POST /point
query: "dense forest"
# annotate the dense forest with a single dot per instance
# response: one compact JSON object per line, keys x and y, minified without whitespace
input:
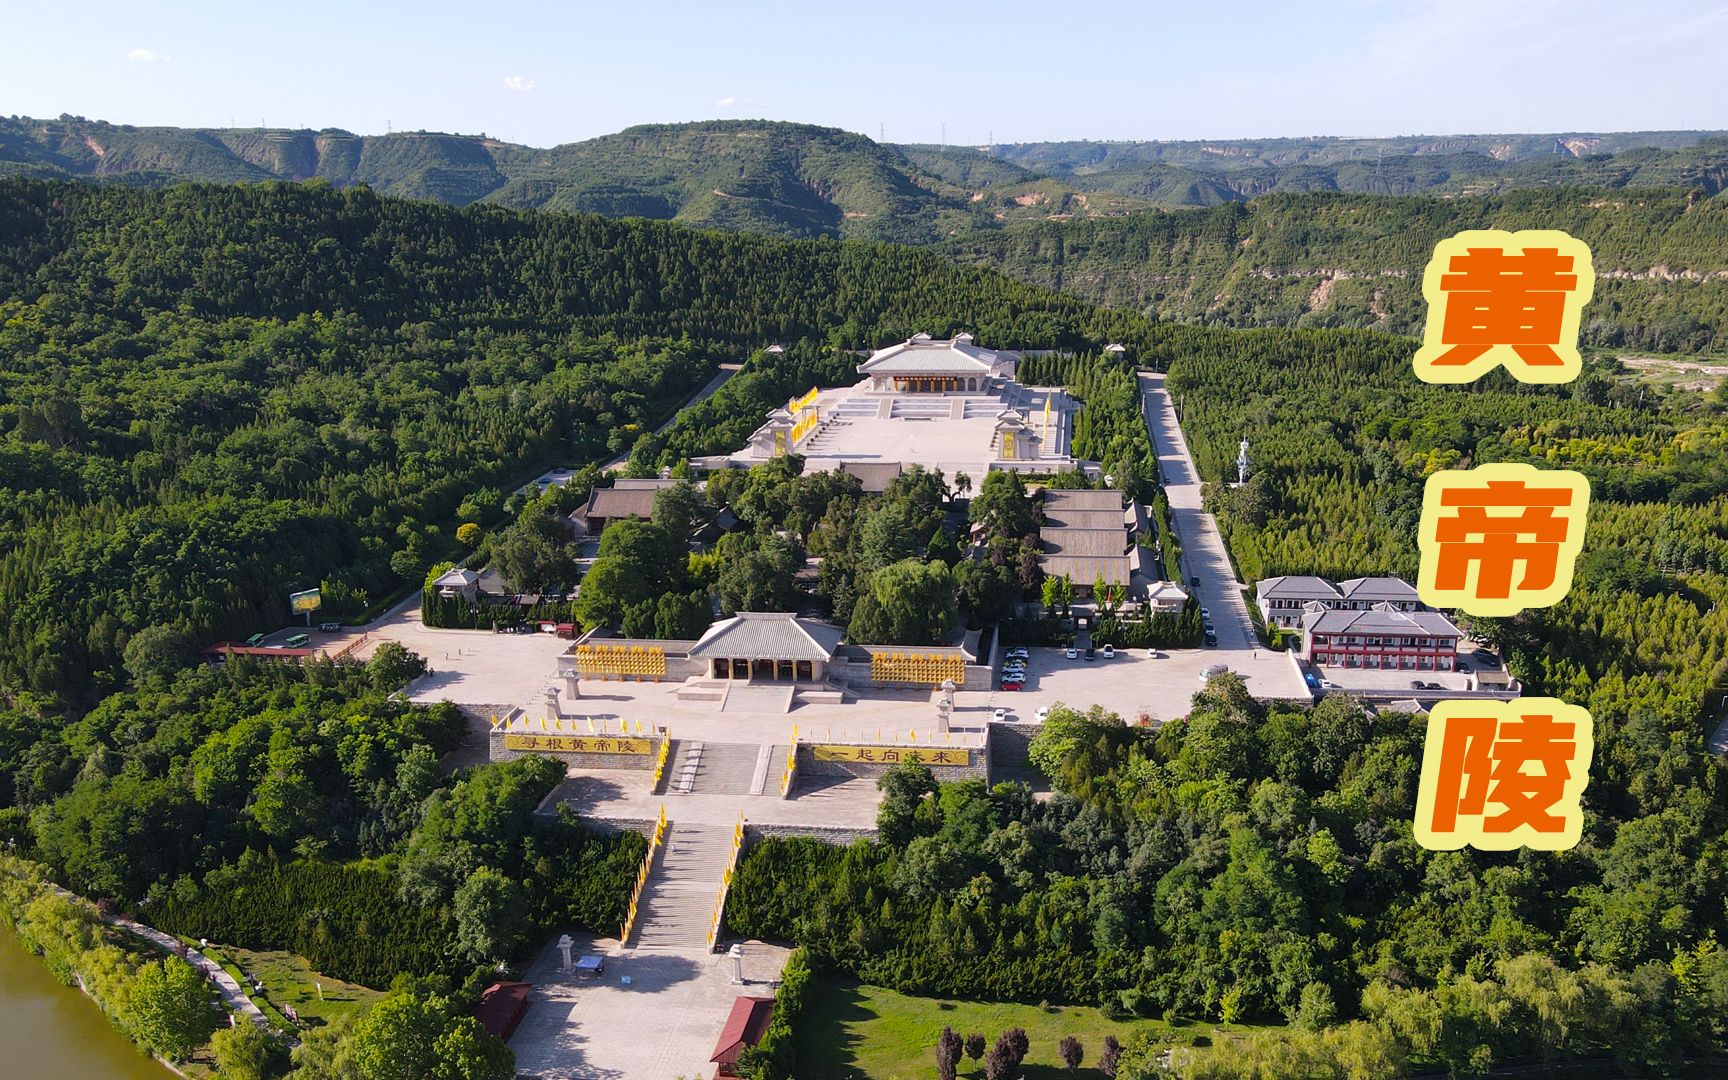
{"x":211,"y":395}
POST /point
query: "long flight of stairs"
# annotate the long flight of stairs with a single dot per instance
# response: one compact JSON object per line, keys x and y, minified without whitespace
{"x":678,"y":904}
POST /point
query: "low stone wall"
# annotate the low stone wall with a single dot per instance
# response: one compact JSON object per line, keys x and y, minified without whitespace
{"x":642,"y":826}
{"x":581,"y":759}
{"x":976,"y":768}
{"x":837,"y":835}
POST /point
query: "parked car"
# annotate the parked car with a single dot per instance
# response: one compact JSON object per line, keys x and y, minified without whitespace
{"x":1043,"y":712}
{"x":1072,"y":654}
{"x":1109,"y":652}
{"x":1195,"y":581}
{"x":1091,"y":654}
{"x":1205,"y":613}
{"x":999,"y":715}
{"x":1018,"y":653}
{"x":1328,"y":684}
{"x":1153,"y":654}
{"x":1012,"y":684}
{"x":1211,"y":638}
{"x":1313,"y":683}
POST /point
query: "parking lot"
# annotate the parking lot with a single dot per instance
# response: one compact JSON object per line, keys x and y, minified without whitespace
{"x":1133,"y":684}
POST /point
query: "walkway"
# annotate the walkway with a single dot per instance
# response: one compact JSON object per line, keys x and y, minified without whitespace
{"x":726,"y":372}
{"x":233,"y":997}
{"x":1269,"y":675}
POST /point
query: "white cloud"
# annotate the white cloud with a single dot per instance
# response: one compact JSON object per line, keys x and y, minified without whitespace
{"x":519,"y":84}
{"x":145,"y":56}
{"x":725,"y":101}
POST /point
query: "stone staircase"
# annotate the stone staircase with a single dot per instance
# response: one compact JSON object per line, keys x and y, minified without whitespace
{"x":723,"y":769}
{"x":914,"y":408}
{"x":678,"y":904}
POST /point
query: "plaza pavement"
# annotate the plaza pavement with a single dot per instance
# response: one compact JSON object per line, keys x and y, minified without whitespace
{"x":659,"y":1025}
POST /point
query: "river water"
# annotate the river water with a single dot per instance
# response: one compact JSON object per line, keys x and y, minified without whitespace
{"x":54,"y":1032}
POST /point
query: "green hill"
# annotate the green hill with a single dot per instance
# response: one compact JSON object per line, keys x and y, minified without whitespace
{"x":1245,"y":232}
{"x":1328,"y":259}
{"x":744,"y":176}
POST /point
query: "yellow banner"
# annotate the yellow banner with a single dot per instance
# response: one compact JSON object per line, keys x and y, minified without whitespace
{"x":579,"y":744}
{"x":922,"y":668}
{"x":893,"y":755}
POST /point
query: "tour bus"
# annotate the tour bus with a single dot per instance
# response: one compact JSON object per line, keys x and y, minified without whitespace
{"x":298,"y":641}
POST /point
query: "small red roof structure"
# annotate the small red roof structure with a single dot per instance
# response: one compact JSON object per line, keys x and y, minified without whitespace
{"x":749,"y":1019}
{"x":224,"y":649}
{"x":501,"y":1007}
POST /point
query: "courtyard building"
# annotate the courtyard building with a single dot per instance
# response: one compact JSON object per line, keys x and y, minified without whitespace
{"x":1090,"y":535}
{"x":1283,"y":601}
{"x":624,"y":499}
{"x":768,"y":647}
{"x":946,"y":404}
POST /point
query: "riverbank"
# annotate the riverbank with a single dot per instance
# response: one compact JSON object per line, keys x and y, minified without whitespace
{"x":50,"y":1031}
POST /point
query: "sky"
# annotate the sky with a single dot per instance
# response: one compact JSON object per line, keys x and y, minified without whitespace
{"x":548,"y":73}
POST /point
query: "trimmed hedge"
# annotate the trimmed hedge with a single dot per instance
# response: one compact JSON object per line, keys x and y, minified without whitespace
{"x":776,"y":1056}
{"x":348,"y":921}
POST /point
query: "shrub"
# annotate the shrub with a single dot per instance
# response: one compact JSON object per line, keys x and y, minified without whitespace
{"x":776,"y":1056}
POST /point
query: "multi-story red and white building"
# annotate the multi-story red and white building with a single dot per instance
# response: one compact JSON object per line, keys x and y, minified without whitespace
{"x":1381,"y":636}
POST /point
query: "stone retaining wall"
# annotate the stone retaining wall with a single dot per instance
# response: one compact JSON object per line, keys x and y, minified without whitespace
{"x":838,"y":835}
{"x":1009,"y":744}
{"x":582,"y":760}
{"x":978,"y":769}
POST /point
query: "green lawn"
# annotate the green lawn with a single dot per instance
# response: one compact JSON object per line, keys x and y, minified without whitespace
{"x":850,"y":1030}
{"x":290,"y":980}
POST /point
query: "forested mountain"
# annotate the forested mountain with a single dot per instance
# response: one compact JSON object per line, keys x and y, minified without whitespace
{"x":209,"y":395}
{"x":1400,"y":165}
{"x":750,"y":176}
{"x":1661,"y":258}
{"x":1260,"y":233}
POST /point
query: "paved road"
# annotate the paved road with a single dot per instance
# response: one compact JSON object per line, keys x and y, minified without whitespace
{"x":726,"y":372}
{"x":1203,"y":554}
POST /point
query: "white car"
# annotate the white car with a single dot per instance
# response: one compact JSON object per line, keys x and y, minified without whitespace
{"x":1072,"y":654}
{"x":1043,"y":711}
{"x":1108,"y":652}
{"x":1205,"y":613}
{"x":1328,"y":684}
{"x":1018,"y":653}
{"x":1000,"y":716}
{"x":1153,"y":654}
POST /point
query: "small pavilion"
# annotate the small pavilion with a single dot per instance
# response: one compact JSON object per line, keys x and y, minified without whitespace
{"x":768,"y":647}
